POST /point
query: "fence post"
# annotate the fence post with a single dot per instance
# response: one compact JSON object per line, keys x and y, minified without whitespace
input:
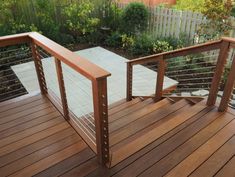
{"x":228,"y":88}
{"x":223,"y":54}
{"x":100,"y":102}
{"x":39,"y":69}
{"x":62,"y":88}
{"x":129,"y":82}
{"x":160,"y":79}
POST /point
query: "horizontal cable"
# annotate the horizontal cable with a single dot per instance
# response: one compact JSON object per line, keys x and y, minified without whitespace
{"x":210,"y":67}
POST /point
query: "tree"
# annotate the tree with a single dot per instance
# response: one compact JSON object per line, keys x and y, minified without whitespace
{"x":218,"y":23}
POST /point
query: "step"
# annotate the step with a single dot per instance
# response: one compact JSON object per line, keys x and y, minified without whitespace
{"x":138,"y":140}
{"x":129,"y":110}
{"x":142,"y":121}
{"x":125,"y":120}
{"x":122,"y":106}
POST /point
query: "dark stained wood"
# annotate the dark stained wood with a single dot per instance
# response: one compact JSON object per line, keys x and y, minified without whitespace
{"x":125,"y":105}
{"x":218,"y":73}
{"x":14,"y":39}
{"x":68,"y":164}
{"x":62,"y":88}
{"x":129,"y":82}
{"x":39,"y":69}
{"x":160,"y":79}
{"x":229,"y":86}
{"x":152,"y":133}
{"x":217,"y":160}
{"x":185,"y":148}
{"x":83,"y":170}
{"x":128,"y":110}
{"x":205,"y":151}
{"x":228,"y":169}
{"x":143,"y":121}
{"x":100,"y":104}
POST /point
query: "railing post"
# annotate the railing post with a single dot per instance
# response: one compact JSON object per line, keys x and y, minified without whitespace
{"x":223,"y":55}
{"x":129,"y":82}
{"x":228,"y":88}
{"x":39,"y":69}
{"x":62,"y":88}
{"x":160,"y":79}
{"x":100,"y":102}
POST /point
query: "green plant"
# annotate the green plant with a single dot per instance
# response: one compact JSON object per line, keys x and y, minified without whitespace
{"x":143,"y":45}
{"x":161,"y":46}
{"x":114,"y":40}
{"x":79,"y":19}
{"x":134,"y":18}
{"x":218,"y":19}
{"x":127,"y":41}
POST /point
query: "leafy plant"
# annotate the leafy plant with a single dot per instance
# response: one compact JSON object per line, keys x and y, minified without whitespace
{"x":134,"y":18}
{"x":218,"y":19}
{"x":127,"y":41}
{"x":143,"y":45}
{"x":79,"y":19}
{"x":114,"y":40}
{"x":161,"y":46}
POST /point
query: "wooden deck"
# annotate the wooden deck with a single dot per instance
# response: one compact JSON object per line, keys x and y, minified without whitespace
{"x":35,"y":140}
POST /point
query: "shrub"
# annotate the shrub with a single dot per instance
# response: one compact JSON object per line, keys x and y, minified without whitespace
{"x":143,"y":45}
{"x":127,"y":41}
{"x":114,"y":40}
{"x":134,"y":18}
{"x":79,"y":20}
{"x":161,"y":46}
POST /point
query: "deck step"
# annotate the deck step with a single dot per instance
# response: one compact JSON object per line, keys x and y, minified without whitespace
{"x":136,"y":130}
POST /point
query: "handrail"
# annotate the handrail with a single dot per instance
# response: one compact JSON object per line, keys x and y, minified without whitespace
{"x":179,"y":52}
{"x":81,"y":65}
{"x":94,"y":73}
{"x":224,"y":44}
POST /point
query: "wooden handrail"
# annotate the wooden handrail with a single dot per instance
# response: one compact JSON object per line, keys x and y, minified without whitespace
{"x":81,"y":65}
{"x":179,"y":52}
{"x":224,"y":45}
{"x":97,"y":75}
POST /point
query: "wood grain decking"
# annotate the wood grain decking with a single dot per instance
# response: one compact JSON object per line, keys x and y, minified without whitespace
{"x":35,"y":140}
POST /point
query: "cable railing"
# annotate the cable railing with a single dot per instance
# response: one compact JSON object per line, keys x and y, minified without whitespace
{"x":11,"y":86}
{"x":50,"y":61}
{"x":201,"y":70}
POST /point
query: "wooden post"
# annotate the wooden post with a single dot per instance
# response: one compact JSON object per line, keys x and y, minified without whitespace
{"x":218,"y":73}
{"x":160,"y":79}
{"x":99,"y":89}
{"x":129,"y":82}
{"x":39,"y":69}
{"x":62,"y":88}
{"x":228,"y":88}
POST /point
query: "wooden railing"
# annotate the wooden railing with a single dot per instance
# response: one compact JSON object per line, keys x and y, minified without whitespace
{"x":224,"y":45}
{"x":94,"y":73}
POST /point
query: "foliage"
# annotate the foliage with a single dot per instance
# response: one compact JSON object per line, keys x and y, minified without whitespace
{"x":109,"y":14}
{"x":146,"y":45}
{"x":193,"y":5}
{"x":114,"y":40}
{"x":79,"y":18}
{"x":46,"y":22}
{"x":134,"y":18}
{"x":177,"y":43}
{"x":218,"y":15}
{"x":161,"y":46}
{"x":127,"y":41}
{"x":143,"y":45}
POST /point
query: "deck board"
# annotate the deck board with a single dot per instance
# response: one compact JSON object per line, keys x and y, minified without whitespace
{"x":45,"y":146}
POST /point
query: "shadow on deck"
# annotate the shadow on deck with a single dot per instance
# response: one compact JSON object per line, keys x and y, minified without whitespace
{"x":35,"y":140}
